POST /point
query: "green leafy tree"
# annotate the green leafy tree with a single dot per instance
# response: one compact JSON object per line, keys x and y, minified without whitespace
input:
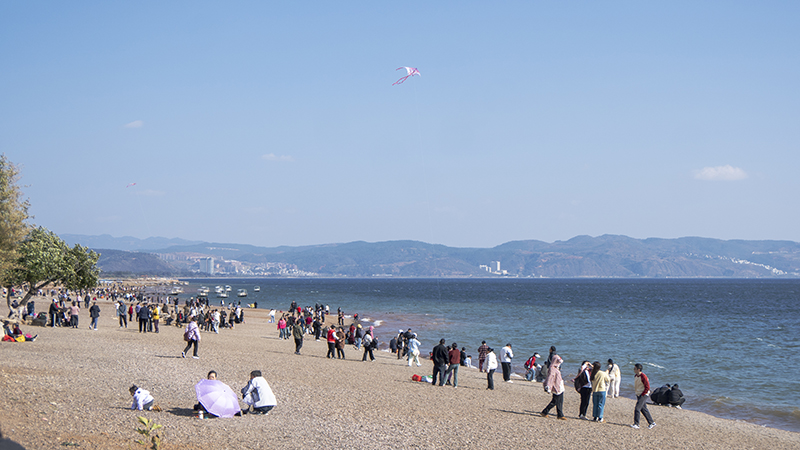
{"x":45,"y":259}
{"x":13,"y":217}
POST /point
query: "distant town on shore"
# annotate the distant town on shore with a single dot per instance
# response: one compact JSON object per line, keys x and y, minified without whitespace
{"x":607,"y":256}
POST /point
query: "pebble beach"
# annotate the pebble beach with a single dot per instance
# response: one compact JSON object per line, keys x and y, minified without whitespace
{"x":69,"y":389}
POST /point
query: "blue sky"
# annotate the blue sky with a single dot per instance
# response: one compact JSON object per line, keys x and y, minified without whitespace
{"x":276,"y":123}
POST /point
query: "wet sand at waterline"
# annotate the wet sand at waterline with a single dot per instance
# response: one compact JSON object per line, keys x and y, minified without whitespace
{"x":70,"y":387}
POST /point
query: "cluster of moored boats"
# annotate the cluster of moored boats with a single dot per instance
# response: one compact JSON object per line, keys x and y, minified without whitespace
{"x":222,"y":291}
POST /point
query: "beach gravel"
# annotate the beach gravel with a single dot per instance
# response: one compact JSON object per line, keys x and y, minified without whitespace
{"x":69,"y":389}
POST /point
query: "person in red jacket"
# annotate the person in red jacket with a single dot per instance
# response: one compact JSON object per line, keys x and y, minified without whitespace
{"x":331,"y":338}
{"x":641,"y":386}
{"x":454,"y":356}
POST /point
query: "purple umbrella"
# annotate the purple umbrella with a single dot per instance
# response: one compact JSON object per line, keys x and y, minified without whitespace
{"x":217,"y":398}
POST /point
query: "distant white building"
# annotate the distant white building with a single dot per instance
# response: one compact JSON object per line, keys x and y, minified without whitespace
{"x":207,"y":265}
{"x":495,"y":266}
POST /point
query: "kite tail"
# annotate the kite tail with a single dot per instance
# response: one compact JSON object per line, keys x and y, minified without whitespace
{"x":400,"y":81}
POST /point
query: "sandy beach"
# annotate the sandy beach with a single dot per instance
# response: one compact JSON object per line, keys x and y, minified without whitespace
{"x":70,"y":388}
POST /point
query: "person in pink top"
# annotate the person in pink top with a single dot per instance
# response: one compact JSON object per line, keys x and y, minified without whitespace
{"x":282,"y":328}
{"x":74,"y":310}
{"x":192,"y":337}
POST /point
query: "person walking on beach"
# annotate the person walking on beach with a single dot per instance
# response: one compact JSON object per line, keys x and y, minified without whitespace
{"x":454,"y":356}
{"x":94,"y":313}
{"x":123,"y":317}
{"x":297,"y":334}
{"x":369,"y":345}
{"x":482,"y":351}
{"x":600,"y":381}
{"x":583,"y":385}
{"x":554,"y":384}
{"x":192,"y":337}
{"x":413,"y":350}
{"x":505,"y":359}
{"x":641,"y":386}
{"x":439,"y":357}
{"x":491,"y":366}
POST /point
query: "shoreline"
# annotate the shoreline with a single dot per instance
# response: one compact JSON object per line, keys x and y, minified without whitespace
{"x":70,"y":386}
{"x":520,"y":359}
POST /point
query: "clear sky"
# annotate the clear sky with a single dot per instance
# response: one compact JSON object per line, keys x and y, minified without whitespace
{"x":276,"y":123}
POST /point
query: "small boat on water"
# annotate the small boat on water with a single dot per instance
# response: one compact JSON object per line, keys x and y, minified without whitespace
{"x":241,"y":293}
{"x":222,"y":294}
{"x":257,"y":289}
{"x":176,"y":290}
{"x":227,"y":288}
{"x":219,"y":289}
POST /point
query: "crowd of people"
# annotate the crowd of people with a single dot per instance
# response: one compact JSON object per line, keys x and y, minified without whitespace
{"x":593,"y":382}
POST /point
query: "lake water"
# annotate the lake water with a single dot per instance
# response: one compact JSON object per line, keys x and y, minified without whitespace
{"x":732,"y":345}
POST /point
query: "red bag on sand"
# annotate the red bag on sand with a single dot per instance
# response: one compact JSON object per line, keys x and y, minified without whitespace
{"x":7,"y":338}
{"x":416,"y":377}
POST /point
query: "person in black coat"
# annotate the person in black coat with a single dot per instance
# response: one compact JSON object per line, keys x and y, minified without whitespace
{"x":659,"y":396}
{"x":144,"y":316}
{"x":53,"y":312}
{"x":675,"y":397}
{"x":94,"y":313}
{"x":440,"y":357}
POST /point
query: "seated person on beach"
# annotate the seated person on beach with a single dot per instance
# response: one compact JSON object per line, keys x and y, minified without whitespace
{"x":212,"y":375}
{"x":659,"y":396}
{"x":258,"y":394}
{"x":142,"y":400}
{"x":18,"y":332}
{"x":675,"y":397}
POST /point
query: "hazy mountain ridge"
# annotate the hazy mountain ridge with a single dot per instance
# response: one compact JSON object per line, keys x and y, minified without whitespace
{"x":581,"y":256}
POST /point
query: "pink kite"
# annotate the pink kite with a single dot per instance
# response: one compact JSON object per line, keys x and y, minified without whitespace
{"x":132,"y":184}
{"x":411,"y":72}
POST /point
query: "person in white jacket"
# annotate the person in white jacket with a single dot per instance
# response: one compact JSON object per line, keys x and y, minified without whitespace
{"x":505,"y":359}
{"x":142,"y":400}
{"x":258,"y":394}
{"x":613,"y":373}
{"x":491,"y":366}
{"x":413,"y":350}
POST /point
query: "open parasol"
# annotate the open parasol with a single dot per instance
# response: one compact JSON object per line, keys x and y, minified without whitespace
{"x":217,"y":398}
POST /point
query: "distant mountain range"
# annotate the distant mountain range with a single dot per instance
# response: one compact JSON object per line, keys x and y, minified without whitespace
{"x":581,"y":256}
{"x":126,"y":243}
